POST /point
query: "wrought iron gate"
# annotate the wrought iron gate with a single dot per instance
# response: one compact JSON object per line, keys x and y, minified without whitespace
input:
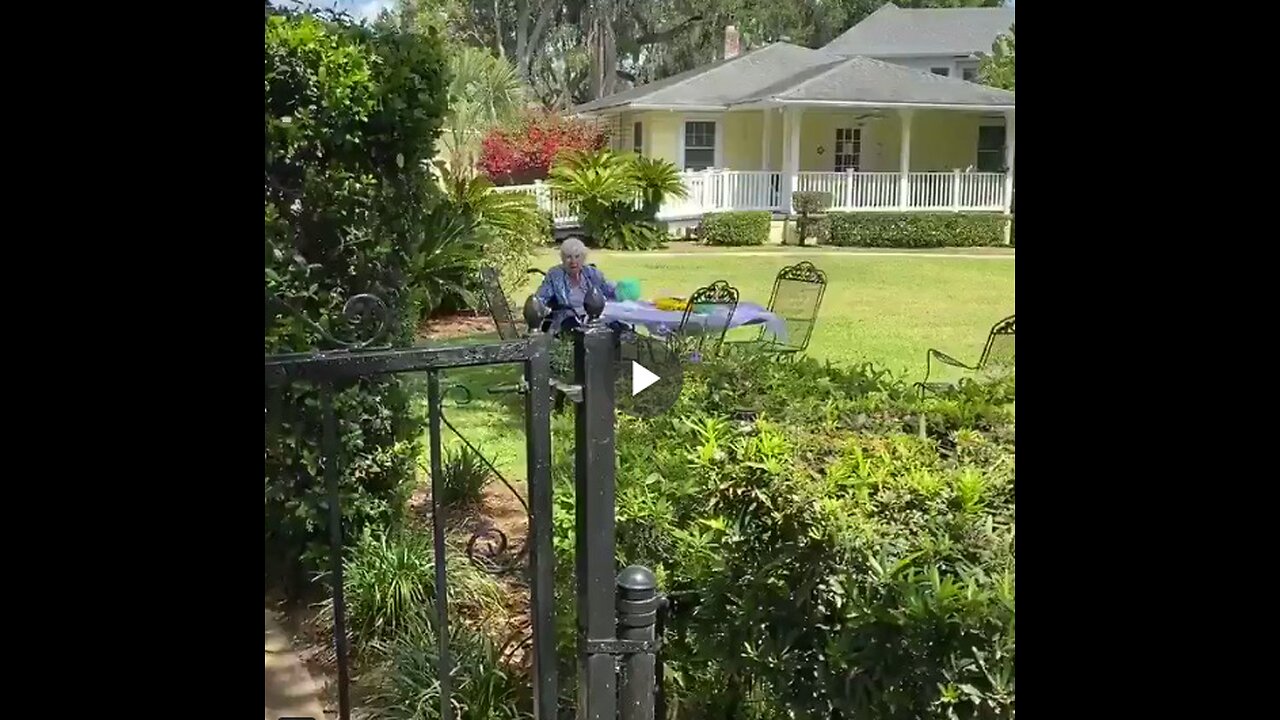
{"x":616,"y":613}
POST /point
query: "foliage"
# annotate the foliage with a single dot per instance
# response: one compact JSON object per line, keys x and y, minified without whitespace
{"x":808,"y":203}
{"x":506,"y":227}
{"x":916,"y":230}
{"x":405,"y":683}
{"x":388,"y":582}
{"x":465,"y":476}
{"x":737,"y":227}
{"x":1011,"y":243}
{"x":824,"y":561}
{"x":526,"y":151}
{"x":484,"y":93}
{"x":996,"y":69}
{"x":351,"y":115}
{"x":818,"y":228}
{"x":617,"y":196}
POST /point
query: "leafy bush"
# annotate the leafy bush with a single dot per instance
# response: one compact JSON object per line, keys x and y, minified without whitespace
{"x":808,"y":203}
{"x":405,"y":683}
{"x":465,"y":476}
{"x":916,"y":230}
{"x":526,"y":152}
{"x":389,"y":586}
{"x":351,"y":116}
{"x":818,"y":229}
{"x":737,"y":227}
{"x":606,"y":186}
{"x":506,"y":228}
{"x":823,"y":560}
{"x":1011,"y":242}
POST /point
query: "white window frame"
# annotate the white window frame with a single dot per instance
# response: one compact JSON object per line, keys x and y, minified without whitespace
{"x":715,"y":119}
{"x":946,"y":71}
{"x":966,"y":70}
{"x":855,"y":136}
{"x":977,"y":148}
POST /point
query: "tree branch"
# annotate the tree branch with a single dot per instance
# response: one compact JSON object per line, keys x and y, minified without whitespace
{"x":666,"y":35}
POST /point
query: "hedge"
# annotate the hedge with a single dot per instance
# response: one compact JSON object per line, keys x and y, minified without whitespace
{"x":740,"y":227}
{"x":819,"y":232}
{"x":916,"y":230}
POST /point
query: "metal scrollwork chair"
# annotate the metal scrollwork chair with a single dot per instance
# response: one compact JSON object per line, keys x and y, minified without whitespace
{"x":716,"y":302}
{"x":997,"y":359}
{"x":797,"y":296}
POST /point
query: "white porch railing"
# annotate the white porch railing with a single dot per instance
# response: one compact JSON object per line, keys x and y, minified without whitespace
{"x":716,"y":190}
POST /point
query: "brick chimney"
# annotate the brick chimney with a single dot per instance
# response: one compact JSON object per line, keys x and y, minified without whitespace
{"x":732,"y":42}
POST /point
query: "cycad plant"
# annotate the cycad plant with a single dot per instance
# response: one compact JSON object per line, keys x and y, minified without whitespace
{"x":618,"y":196}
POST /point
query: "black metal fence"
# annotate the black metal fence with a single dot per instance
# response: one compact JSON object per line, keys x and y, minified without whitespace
{"x":617,"y":612}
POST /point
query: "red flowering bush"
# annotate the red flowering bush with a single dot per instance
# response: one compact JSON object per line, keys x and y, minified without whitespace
{"x":526,"y":152}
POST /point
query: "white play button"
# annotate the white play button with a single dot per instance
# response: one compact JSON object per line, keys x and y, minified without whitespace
{"x":641,"y":378}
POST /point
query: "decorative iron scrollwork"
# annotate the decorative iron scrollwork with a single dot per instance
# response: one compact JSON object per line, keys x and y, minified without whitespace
{"x":1004,"y":327}
{"x":368,"y":313}
{"x":488,"y":547}
{"x":717,"y":293}
{"x":803,"y":272}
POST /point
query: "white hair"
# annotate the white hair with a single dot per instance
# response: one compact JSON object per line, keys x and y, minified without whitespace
{"x":573,"y":246}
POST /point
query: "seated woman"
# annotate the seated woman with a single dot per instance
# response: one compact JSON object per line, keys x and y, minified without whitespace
{"x":566,"y":285}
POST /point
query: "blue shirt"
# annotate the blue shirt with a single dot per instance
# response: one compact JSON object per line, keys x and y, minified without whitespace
{"x":555,"y":291}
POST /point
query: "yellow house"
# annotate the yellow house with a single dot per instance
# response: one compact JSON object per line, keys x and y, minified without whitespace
{"x":905,"y":130}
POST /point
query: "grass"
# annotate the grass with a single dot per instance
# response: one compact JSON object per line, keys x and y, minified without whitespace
{"x":889,"y":310}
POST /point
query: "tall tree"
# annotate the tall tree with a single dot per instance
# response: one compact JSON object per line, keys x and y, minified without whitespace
{"x":997,"y":68}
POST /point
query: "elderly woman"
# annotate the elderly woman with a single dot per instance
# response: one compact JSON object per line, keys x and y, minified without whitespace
{"x":566,"y":285}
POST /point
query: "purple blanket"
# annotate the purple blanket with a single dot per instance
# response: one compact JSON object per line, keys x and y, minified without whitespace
{"x":663,"y":322}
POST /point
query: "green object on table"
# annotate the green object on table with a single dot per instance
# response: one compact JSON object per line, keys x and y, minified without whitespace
{"x":628,"y":289}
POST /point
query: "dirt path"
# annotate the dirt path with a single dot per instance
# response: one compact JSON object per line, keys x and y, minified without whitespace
{"x":291,"y":691}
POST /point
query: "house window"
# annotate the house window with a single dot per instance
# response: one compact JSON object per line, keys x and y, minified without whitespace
{"x":940,"y":71}
{"x":969,"y":74}
{"x":699,"y":145}
{"x":637,"y":139}
{"x":991,"y":148}
{"x":848,"y":149}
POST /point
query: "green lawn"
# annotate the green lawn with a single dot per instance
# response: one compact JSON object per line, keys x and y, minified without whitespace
{"x":889,"y":310}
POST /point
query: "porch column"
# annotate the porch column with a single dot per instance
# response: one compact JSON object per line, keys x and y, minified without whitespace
{"x":765,"y":138}
{"x":904,"y":161}
{"x":791,"y":155}
{"x":1008,"y":174}
{"x":1008,"y":162}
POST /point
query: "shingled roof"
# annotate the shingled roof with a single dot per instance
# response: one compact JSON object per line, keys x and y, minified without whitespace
{"x":720,"y":83}
{"x":865,"y":80}
{"x":892,"y":31}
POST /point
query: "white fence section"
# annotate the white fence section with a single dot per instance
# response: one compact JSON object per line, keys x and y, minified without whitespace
{"x":714,"y":190}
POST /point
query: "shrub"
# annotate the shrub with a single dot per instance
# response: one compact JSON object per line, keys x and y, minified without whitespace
{"x":738,"y":227}
{"x":807,"y":202}
{"x":605,"y":187}
{"x":465,"y":476}
{"x":405,"y":683}
{"x":389,"y":587}
{"x":916,"y":230}
{"x":1011,"y":242}
{"x":819,"y":229}
{"x":527,"y":151}
{"x":351,"y":117}
{"x":824,"y":561}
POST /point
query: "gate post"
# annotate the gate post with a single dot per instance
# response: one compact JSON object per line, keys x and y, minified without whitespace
{"x":594,"y":474}
{"x":637,"y":619}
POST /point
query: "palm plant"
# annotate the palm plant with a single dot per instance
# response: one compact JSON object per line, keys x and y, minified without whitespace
{"x":485,"y":92}
{"x":618,"y":196}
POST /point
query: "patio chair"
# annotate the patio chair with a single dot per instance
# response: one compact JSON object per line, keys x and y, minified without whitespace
{"x":797,"y":295}
{"x":997,"y":358}
{"x":720,"y":294}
